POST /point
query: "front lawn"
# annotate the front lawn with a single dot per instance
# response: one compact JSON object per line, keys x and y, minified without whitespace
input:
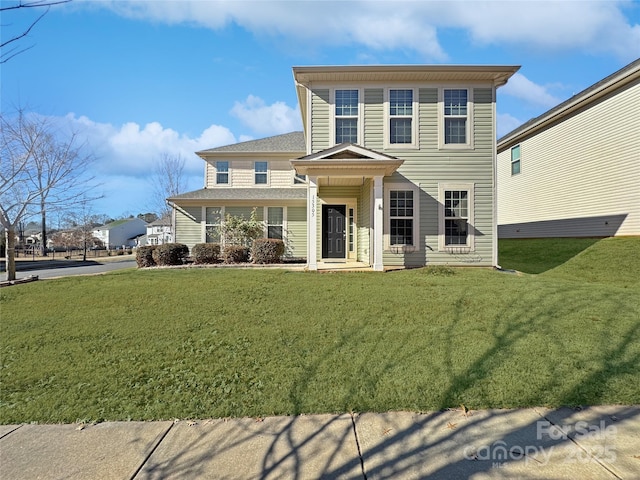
{"x":201,"y":343}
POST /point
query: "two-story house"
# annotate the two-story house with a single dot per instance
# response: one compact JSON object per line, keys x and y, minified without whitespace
{"x":395,"y":167}
{"x":159,"y":231}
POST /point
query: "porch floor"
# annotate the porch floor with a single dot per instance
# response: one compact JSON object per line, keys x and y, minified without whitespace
{"x":342,"y":266}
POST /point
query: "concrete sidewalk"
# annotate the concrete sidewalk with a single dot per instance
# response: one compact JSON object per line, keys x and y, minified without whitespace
{"x":535,"y":443}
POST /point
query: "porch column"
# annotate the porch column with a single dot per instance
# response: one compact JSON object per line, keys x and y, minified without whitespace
{"x":312,"y":224}
{"x":378,"y":221}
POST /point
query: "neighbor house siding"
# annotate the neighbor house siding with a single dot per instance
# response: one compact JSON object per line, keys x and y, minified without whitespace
{"x":189,"y":225}
{"x":579,"y":177}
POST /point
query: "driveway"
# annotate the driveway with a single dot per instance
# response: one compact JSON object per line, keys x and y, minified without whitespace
{"x":65,"y":268}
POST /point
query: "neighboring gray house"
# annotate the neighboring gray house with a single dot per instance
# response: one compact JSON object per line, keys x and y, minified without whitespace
{"x":121,"y":233}
{"x":574,"y":171}
{"x":159,"y":231}
{"x":395,"y":167}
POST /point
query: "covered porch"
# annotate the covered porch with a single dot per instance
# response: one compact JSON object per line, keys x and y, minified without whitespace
{"x":345,"y":220}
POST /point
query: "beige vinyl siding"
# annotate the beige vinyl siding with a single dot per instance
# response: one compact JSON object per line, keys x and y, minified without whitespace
{"x":374,"y":118}
{"x":320,"y":120}
{"x":579,"y":177}
{"x":189,"y":226}
{"x":429,"y":167}
{"x":296,"y":232}
{"x":364,"y":222}
{"x":209,"y":174}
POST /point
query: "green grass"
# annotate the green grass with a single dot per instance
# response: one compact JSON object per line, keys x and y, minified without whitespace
{"x":541,"y":254}
{"x":203,"y":343}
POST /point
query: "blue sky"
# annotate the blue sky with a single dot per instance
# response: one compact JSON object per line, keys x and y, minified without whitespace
{"x":141,"y":79}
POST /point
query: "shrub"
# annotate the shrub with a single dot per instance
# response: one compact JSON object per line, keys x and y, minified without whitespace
{"x":204,"y":253}
{"x":170,"y":254}
{"x":235,"y":254}
{"x":144,"y":256}
{"x":267,"y":250}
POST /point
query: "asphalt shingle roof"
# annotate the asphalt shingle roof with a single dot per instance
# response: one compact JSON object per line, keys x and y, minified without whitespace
{"x":288,"y":142}
{"x":243,"y":194}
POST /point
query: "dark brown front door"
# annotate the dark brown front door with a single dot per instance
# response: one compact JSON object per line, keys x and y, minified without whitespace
{"x":334,"y":231}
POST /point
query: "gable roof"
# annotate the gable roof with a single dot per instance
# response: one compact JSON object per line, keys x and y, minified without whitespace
{"x":288,"y":142}
{"x":585,"y":98}
{"x":117,"y":223}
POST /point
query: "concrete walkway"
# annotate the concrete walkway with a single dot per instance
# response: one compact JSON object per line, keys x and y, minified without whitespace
{"x":535,"y":443}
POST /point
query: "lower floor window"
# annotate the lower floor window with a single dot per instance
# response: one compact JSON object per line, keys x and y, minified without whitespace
{"x":275,"y":220}
{"x":401,"y":217}
{"x":213,"y":220}
{"x":456,"y":215}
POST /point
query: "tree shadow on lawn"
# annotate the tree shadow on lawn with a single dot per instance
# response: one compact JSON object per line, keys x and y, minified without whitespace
{"x":536,"y":442}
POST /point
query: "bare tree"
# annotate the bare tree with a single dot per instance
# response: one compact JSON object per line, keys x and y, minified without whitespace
{"x":167,"y":181}
{"x":38,"y":171}
{"x":13,"y":42}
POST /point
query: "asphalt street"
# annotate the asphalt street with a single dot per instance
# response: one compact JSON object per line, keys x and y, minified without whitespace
{"x":65,"y":269}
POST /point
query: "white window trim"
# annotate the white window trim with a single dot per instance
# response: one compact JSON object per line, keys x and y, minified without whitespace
{"x":470,"y":187}
{"x":265,"y":216}
{"x":415,"y":144}
{"x":416,"y":213}
{"x":215,"y":173}
{"x":360,"y":116}
{"x":519,"y":159}
{"x":469,"y":130}
{"x":203,"y":232}
{"x":268,"y":173}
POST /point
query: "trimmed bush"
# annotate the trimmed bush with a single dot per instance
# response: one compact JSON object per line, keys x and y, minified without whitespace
{"x":235,"y":254}
{"x":205,"y":253}
{"x":144,"y":256}
{"x":170,"y":254}
{"x":267,"y":250}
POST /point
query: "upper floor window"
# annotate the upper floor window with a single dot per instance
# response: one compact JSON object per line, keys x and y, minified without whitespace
{"x":261,"y":172}
{"x":299,"y":179}
{"x":401,"y":117}
{"x":346,"y":116}
{"x":222,"y":172}
{"x":515,"y":160}
{"x":456,"y":119}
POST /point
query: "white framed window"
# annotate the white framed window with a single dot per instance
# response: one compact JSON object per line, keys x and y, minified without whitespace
{"x":275,"y":222}
{"x":212,"y":222}
{"x":402,"y":215}
{"x":222,"y":173}
{"x":456,"y":217}
{"x":261,"y":173}
{"x":515,"y":160}
{"x":346,"y":115}
{"x":401,"y":117}
{"x":456,"y":118}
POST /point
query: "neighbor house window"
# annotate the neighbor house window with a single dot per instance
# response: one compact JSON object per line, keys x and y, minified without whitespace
{"x":456,"y":216}
{"x":222,"y":172}
{"x":515,"y":160}
{"x":346,"y":116}
{"x":456,"y":117}
{"x":275,"y":222}
{"x":260,"y":173}
{"x":213,"y":222}
{"x":401,"y":217}
{"x":400,"y":117}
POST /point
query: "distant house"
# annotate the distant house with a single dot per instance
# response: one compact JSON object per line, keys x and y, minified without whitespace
{"x":159,"y":231}
{"x":121,"y":233}
{"x":574,"y":171}
{"x":395,"y":168}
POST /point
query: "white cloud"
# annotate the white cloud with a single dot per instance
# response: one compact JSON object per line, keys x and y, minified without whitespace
{"x":521,"y":87}
{"x":590,"y":27}
{"x":505,"y":123}
{"x":267,"y":119}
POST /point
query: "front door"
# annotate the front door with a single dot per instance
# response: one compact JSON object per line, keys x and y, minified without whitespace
{"x":334,"y":228}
